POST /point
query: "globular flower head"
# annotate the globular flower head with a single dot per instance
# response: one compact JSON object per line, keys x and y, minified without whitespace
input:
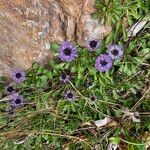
{"x":103,"y":63}
{"x":64,"y":78}
{"x":18,"y":75}
{"x":67,"y":51}
{"x":93,"y":44}
{"x":9,"y":89}
{"x":70,"y":95}
{"x":16,"y":100}
{"x":92,"y":99}
{"x":89,"y":83}
{"x":115,"y":51}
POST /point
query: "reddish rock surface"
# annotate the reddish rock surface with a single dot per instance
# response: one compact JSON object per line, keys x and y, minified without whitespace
{"x":27,"y":27}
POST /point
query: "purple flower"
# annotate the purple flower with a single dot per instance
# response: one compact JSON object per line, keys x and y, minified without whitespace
{"x":9,"y":89}
{"x":89,"y":83}
{"x":103,"y":63}
{"x":115,"y":51}
{"x":70,"y":95}
{"x":64,"y":77}
{"x":92,"y":99}
{"x":93,"y":44}
{"x":16,"y":100}
{"x":67,"y":51}
{"x":18,"y":75}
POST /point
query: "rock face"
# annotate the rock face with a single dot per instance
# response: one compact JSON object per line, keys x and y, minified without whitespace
{"x":27,"y":27}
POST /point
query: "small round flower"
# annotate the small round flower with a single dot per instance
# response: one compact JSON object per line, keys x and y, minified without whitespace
{"x":9,"y":89}
{"x":93,"y":44}
{"x":92,"y":99}
{"x":16,"y":100}
{"x":89,"y":83}
{"x":115,"y":51}
{"x":103,"y":63}
{"x":64,"y":78}
{"x":70,"y":95}
{"x":18,"y":75}
{"x":67,"y":51}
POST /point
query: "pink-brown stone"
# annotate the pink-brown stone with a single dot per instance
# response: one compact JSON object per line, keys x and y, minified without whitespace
{"x":27,"y":27}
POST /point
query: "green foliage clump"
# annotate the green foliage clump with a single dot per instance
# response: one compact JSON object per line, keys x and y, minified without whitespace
{"x":49,"y":121}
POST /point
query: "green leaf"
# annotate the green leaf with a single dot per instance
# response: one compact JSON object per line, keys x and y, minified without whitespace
{"x":95,"y":15}
{"x":138,"y":59}
{"x":115,"y":95}
{"x":53,"y":64}
{"x":80,"y":73}
{"x":44,"y":78}
{"x":41,"y":82}
{"x":49,"y":74}
{"x":109,"y":39}
{"x":101,"y":82}
{"x":35,"y":66}
{"x":115,"y":140}
{"x":92,"y":71}
{"x":38,"y":83}
{"x":60,"y":66}
{"x":54,"y":47}
{"x":130,"y":147}
{"x":73,"y":69}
